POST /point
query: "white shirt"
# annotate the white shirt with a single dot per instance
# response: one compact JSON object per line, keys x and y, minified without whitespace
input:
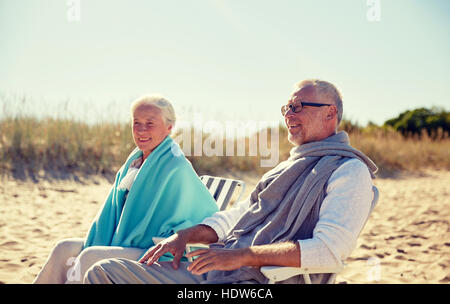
{"x":342,"y":215}
{"x":131,"y":175}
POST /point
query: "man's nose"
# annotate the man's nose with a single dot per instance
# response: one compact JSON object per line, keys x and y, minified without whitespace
{"x":289,"y":112}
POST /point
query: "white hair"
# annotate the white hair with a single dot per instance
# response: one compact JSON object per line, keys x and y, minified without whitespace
{"x":325,"y":88}
{"x":158,"y":101}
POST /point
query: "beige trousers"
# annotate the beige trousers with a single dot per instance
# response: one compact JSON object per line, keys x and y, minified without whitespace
{"x":68,"y":262}
{"x":124,"y":271}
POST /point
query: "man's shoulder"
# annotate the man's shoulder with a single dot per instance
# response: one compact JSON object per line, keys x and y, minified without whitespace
{"x":353,"y":164}
{"x":352,"y":169}
{"x":353,"y":175}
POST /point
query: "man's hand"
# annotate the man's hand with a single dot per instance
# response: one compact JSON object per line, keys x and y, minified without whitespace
{"x":218,"y":259}
{"x":176,"y":244}
{"x":281,"y":254}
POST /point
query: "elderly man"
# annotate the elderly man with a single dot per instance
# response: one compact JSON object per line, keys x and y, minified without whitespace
{"x":306,"y":212}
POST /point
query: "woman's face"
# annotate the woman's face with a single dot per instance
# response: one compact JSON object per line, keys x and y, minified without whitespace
{"x":149,"y":128}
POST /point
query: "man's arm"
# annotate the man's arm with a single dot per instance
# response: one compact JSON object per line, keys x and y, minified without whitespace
{"x":282,"y":254}
{"x":223,"y":221}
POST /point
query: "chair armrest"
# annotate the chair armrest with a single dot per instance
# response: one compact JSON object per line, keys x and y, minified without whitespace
{"x":281,"y":273}
{"x":189,"y":246}
{"x":157,"y":239}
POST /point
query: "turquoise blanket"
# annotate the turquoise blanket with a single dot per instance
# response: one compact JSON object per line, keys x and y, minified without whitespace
{"x":166,"y":196}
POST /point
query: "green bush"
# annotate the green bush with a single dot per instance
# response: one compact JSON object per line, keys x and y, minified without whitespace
{"x":435,"y":122}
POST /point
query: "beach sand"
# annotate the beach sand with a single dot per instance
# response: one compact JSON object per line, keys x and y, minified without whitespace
{"x":406,"y":240}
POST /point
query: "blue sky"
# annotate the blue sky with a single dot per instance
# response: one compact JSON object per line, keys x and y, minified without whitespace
{"x":228,"y":60}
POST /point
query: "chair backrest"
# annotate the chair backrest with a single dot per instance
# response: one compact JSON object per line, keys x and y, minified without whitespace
{"x":222,"y":189}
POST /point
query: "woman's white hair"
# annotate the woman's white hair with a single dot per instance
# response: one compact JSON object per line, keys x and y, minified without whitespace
{"x":167,"y":111}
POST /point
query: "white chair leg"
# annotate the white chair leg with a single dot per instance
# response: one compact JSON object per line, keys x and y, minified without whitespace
{"x":307,"y":278}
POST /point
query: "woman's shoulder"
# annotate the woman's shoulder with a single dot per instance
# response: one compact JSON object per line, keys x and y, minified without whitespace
{"x":178,"y":163}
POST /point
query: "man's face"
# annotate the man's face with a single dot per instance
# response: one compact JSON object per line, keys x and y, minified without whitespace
{"x":310,"y":124}
{"x":149,"y":128}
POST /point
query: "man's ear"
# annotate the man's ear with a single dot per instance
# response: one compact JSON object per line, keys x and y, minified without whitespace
{"x":332,"y":112}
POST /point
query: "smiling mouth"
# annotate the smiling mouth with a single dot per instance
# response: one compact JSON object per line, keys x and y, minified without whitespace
{"x":144,"y":139}
{"x":292,"y":126}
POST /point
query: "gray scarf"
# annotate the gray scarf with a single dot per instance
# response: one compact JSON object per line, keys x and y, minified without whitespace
{"x":285,"y":203}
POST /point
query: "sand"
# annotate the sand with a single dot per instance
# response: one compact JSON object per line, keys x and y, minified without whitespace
{"x":406,"y":240}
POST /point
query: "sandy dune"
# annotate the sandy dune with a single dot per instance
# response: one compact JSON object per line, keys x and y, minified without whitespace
{"x":407,"y":239}
{"x":408,"y":233}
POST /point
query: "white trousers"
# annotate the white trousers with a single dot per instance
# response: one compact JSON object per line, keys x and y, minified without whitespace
{"x":68,"y":262}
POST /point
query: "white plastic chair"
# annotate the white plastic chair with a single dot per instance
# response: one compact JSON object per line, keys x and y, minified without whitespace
{"x":281,"y":273}
{"x":222,"y":189}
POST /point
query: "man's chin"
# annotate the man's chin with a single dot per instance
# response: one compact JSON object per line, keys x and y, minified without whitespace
{"x":294,"y":139}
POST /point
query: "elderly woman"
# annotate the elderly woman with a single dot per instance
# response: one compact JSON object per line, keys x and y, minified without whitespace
{"x":155,"y":193}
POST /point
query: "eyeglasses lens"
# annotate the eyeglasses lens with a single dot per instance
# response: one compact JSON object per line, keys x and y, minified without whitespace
{"x":294,"y":107}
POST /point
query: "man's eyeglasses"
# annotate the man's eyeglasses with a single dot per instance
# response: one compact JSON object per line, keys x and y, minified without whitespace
{"x":298,"y":106}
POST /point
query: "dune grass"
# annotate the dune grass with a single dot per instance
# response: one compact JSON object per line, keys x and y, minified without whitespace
{"x":32,"y":145}
{"x":393,"y":152}
{"x":36,"y":147}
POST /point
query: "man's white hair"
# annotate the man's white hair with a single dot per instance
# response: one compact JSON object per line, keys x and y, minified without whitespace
{"x":325,"y":88}
{"x":158,"y":101}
